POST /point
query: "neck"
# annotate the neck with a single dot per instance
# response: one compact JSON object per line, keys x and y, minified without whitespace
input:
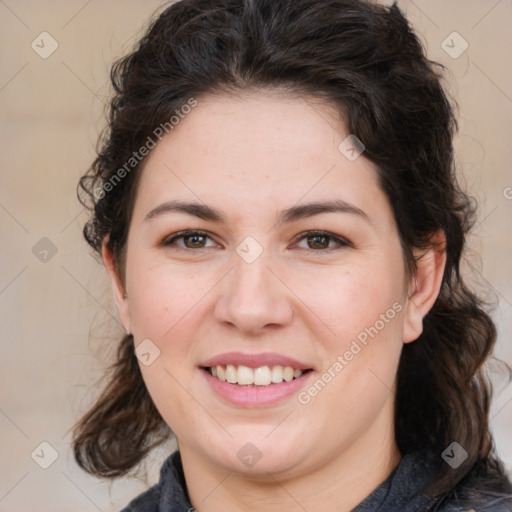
{"x":340,"y":484}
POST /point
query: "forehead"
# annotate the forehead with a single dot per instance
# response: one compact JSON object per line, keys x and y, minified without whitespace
{"x":254,"y":151}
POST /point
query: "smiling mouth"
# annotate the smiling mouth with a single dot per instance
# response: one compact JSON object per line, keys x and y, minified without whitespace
{"x":254,"y":377}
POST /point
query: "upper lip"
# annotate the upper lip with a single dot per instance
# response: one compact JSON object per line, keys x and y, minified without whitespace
{"x":255,"y":360}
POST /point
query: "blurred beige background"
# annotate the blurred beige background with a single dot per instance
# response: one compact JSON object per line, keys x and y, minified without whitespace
{"x":56,"y":309}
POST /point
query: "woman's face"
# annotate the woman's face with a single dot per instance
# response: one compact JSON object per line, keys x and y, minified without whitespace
{"x":260,"y":290}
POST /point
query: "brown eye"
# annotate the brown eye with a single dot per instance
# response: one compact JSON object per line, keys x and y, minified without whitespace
{"x":191,"y":240}
{"x":320,"y":240}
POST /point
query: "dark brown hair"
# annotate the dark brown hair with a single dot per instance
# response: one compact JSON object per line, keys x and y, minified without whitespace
{"x":365,"y":60}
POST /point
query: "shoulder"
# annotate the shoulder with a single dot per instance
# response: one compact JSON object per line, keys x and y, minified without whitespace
{"x":168,"y":494}
{"x":486,"y":488}
{"x":482,"y":504}
{"x":148,"y":501}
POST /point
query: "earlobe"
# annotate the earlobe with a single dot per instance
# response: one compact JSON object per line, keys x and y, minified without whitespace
{"x":425,"y":286}
{"x":118,"y":288}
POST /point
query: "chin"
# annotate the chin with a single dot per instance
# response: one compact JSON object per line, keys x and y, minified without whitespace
{"x":254,"y":455}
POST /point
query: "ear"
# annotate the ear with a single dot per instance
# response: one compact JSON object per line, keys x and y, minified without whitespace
{"x":118,"y":287}
{"x":425,"y":286}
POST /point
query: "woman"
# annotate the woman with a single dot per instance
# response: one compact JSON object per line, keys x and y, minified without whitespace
{"x":276,"y":205}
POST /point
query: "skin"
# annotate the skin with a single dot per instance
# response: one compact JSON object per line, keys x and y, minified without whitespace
{"x":252,"y":156}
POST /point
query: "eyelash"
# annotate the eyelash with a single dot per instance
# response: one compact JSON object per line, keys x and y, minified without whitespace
{"x":307,"y":234}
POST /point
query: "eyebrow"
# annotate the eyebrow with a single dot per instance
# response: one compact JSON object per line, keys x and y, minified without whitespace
{"x":288,"y":215}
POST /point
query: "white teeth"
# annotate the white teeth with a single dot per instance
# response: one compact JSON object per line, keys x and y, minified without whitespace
{"x":245,"y":375}
{"x":262,"y":376}
{"x":288,"y":374}
{"x":231,"y":374}
{"x":277,"y":374}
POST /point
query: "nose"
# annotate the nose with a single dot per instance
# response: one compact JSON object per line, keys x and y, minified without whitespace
{"x":253,"y":297}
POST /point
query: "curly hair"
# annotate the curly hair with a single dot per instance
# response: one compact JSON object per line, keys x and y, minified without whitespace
{"x":366,"y":61}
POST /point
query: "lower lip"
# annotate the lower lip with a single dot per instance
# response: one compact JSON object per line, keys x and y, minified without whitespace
{"x":255,"y":396}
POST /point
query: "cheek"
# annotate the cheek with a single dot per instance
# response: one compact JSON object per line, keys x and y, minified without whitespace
{"x":361,"y":347}
{"x":349,"y":301}
{"x":166,"y":309}
{"x":163,"y":300}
